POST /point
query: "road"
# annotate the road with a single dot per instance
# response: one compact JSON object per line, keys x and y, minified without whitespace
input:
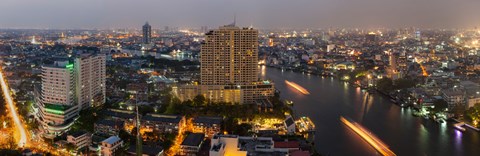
{"x":13,"y":111}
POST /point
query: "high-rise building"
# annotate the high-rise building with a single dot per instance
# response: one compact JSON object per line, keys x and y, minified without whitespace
{"x":90,"y":72}
{"x":229,"y":73}
{"x":147,"y":33}
{"x":55,"y":98}
{"x":229,"y":55}
{"x":68,"y":86}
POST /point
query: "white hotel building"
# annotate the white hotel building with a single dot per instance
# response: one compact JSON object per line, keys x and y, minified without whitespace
{"x":67,"y":87}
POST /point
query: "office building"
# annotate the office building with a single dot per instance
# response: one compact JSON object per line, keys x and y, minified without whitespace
{"x":228,"y":68}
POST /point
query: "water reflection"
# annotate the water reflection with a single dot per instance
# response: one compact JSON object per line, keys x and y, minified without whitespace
{"x":397,"y":127}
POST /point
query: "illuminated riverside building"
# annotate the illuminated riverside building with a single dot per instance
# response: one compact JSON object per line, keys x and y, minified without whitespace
{"x":229,"y":60}
{"x":68,"y":86}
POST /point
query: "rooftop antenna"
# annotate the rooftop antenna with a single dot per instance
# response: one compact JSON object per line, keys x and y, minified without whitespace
{"x":234,"y":19}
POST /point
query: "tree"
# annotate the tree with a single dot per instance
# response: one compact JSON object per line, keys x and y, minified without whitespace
{"x":124,"y":135}
{"x":458,"y":110}
{"x":385,"y":85}
{"x":199,"y":100}
{"x":70,"y":147}
{"x":473,"y":114}
{"x":439,"y":105}
{"x":242,"y":129}
{"x":404,"y":83}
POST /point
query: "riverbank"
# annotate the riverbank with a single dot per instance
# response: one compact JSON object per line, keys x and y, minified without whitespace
{"x":331,"y":98}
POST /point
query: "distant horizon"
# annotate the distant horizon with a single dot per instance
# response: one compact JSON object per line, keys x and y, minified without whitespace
{"x":161,"y":28}
{"x":263,"y":14}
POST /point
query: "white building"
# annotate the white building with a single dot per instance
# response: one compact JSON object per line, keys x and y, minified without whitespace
{"x":69,"y":85}
{"x":225,"y":145}
{"x":56,"y":108}
{"x":111,"y":145}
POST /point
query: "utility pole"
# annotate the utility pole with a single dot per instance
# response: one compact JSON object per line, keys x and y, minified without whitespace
{"x":139,"y":137}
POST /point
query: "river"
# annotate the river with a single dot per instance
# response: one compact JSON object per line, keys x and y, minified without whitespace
{"x":396,"y":126}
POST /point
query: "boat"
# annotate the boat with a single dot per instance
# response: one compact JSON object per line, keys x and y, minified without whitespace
{"x":297,"y":87}
{"x":289,"y":102}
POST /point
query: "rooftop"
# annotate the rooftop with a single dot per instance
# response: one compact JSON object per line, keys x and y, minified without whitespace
{"x":78,"y":133}
{"x":112,"y":140}
{"x":111,"y":123}
{"x":163,"y":118}
{"x":286,"y":144}
{"x":119,"y":113}
{"x":193,"y":139}
{"x":208,"y":120}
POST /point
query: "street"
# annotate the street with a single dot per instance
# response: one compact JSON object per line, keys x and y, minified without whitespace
{"x":22,"y":141}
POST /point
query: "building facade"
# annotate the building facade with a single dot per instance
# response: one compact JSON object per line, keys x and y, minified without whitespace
{"x":80,"y":139}
{"x":68,"y":86}
{"x":147,"y":33}
{"x":229,"y":73}
{"x":207,"y":125}
{"x":111,"y":145}
{"x":164,"y":123}
{"x":56,"y":108}
{"x":90,"y":79}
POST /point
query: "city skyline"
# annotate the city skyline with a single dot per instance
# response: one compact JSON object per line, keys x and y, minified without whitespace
{"x":240,"y":77}
{"x":105,"y":14}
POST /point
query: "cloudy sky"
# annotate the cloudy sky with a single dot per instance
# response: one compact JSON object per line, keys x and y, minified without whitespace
{"x":259,"y":13}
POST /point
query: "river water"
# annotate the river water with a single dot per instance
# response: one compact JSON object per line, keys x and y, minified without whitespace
{"x":396,"y":126}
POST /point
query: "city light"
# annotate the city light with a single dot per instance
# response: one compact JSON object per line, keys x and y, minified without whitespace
{"x":16,"y":119}
{"x":297,"y":87}
{"x":369,"y":137}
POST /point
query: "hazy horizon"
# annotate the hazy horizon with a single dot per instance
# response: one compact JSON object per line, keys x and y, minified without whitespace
{"x":108,"y":14}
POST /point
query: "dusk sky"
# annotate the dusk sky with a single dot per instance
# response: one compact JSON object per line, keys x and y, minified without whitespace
{"x":91,"y":14}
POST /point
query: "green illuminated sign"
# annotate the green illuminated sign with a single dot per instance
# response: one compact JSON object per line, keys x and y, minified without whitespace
{"x":53,"y":111}
{"x":69,"y":66}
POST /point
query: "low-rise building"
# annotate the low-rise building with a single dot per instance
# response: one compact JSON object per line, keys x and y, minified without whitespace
{"x":207,"y":125}
{"x":191,"y":144}
{"x":454,"y":98}
{"x":140,"y":90}
{"x":109,"y":127}
{"x":120,"y":115}
{"x":222,"y":145}
{"x":164,"y":123}
{"x":80,"y":139}
{"x":111,"y":145}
